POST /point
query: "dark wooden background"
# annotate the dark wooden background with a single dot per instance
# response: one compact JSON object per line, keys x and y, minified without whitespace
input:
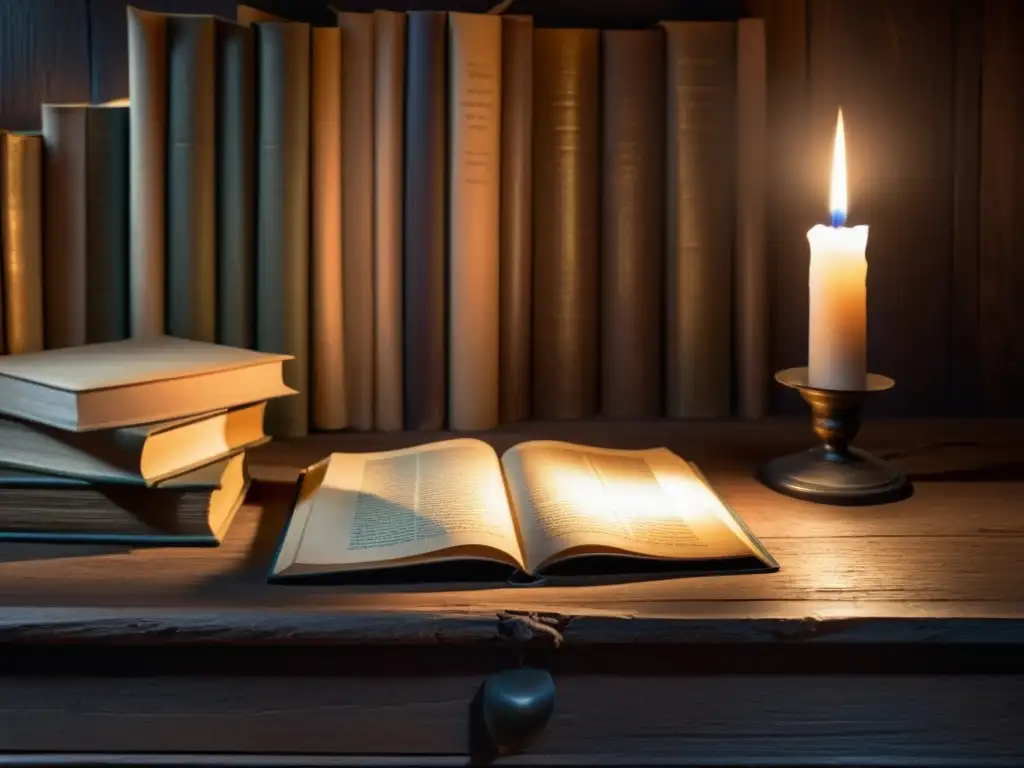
{"x":934,"y":115}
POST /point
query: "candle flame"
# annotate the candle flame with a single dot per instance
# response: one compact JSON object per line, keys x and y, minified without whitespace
{"x":837,"y":193}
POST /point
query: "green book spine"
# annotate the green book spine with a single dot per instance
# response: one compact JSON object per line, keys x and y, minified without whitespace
{"x":236,"y":200}
{"x":282,"y":244}
{"x":191,"y":178}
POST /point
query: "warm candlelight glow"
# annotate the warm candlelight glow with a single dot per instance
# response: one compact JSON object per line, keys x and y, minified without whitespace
{"x":837,"y":193}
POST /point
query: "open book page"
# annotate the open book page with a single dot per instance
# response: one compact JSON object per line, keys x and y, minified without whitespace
{"x":440,"y":501}
{"x":575,"y":500}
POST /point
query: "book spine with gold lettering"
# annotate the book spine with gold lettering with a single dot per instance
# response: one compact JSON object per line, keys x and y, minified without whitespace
{"x":566,"y":157}
{"x":21,"y":227}
{"x":474,"y":184}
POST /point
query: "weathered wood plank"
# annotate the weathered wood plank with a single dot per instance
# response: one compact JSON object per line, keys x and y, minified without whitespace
{"x":44,"y":56}
{"x":820,"y":719}
{"x":889,"y":65}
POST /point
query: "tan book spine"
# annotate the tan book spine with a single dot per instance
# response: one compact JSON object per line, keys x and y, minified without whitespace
{"x":516,"y":215}
{"x":330,"y":408}
{"x":147,"y":88}
{"x":191,"y":178}
{"x":701,"y":125}
{"x":566,"y":264}
{"x":21,"y":168}
{"x":388,"y":167}
{"x":753,"y":374}
{"x":282,"y":248}
{"x":357,"y":105}
{"x":65,"y":255}
{"x":474,"y":176}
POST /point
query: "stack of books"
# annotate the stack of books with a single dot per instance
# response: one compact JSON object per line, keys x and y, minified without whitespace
{"x":136,"y":441}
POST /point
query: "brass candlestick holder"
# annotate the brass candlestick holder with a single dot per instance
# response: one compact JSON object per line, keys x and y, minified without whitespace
{"x":835,"y":472}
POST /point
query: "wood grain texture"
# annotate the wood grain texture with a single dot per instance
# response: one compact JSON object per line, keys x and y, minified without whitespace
{"x":889,"y":65}
{"x":1001,"y":246}
{"x":44,"y":56}
{"x":939,"y":567}
{"x":930,"y":719}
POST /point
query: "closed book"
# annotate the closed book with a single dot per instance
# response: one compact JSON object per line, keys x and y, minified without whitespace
{"x":21,"y":249}
{"x":751,"y":283}
{"x":474,"y":179}
{"x":236,"y":185}
{"x":191,"y":178}
{"x":147,"y":90}
{"x":151,"y":453}
{"x":388,"y":170}
{"x":357,"y":163}
{"x":327,"y":321}
{"x":516,"y":216}
{"x":86,"y":187}
{"x":190,"y":510}
{"x":566,"y":156}
{"x":246,"y":15}
{"x":424,"y":241}
{"x":632,"y":222}
{"x":282,"y":245}
{"x":701,"y":130}
{"x":135,"y":381}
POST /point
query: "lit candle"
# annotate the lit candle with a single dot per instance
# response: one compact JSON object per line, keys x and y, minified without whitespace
{"x":837,"y":339}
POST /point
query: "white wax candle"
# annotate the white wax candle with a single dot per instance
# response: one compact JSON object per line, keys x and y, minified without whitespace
{"x":837,"y":344}
{"x":838,"y":322}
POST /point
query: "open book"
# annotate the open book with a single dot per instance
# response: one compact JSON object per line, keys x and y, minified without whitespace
{"x":544,"y":508}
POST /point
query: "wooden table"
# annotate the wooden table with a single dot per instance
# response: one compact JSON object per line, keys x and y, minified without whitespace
{"x":891,"y":635}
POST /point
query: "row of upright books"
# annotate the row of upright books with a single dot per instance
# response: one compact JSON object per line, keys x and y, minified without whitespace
{"x":446,"y":219}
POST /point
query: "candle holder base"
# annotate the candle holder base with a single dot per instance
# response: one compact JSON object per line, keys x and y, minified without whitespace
{"x":835,"y":472}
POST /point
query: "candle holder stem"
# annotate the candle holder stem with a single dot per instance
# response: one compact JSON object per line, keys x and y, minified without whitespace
{"x":835,"y":472}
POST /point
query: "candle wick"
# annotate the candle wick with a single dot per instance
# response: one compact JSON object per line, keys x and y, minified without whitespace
{"x":838,"y":218}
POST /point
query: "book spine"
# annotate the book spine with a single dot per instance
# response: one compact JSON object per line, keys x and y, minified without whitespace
{"x":107,"y":195}
{"x":474,"y":177}
{"x":753,"y":374}
{"x":246,"y":15}
{"x":389,"y":124}
{"x":282,"y":246}
{"x":425,"y":358}
{"x":357,"y":107}
{"x":21,"y":222}
{"x":235,"y":203}
{"x":516,"y":215}
{"x":565,"y":224}
{"x":330,"y":409}
{"x":701,"y":215}
{"x":191,"y":177}
{"x":65,"y":246}
{"x":632,"y":222}
{"x":147,"y":89}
